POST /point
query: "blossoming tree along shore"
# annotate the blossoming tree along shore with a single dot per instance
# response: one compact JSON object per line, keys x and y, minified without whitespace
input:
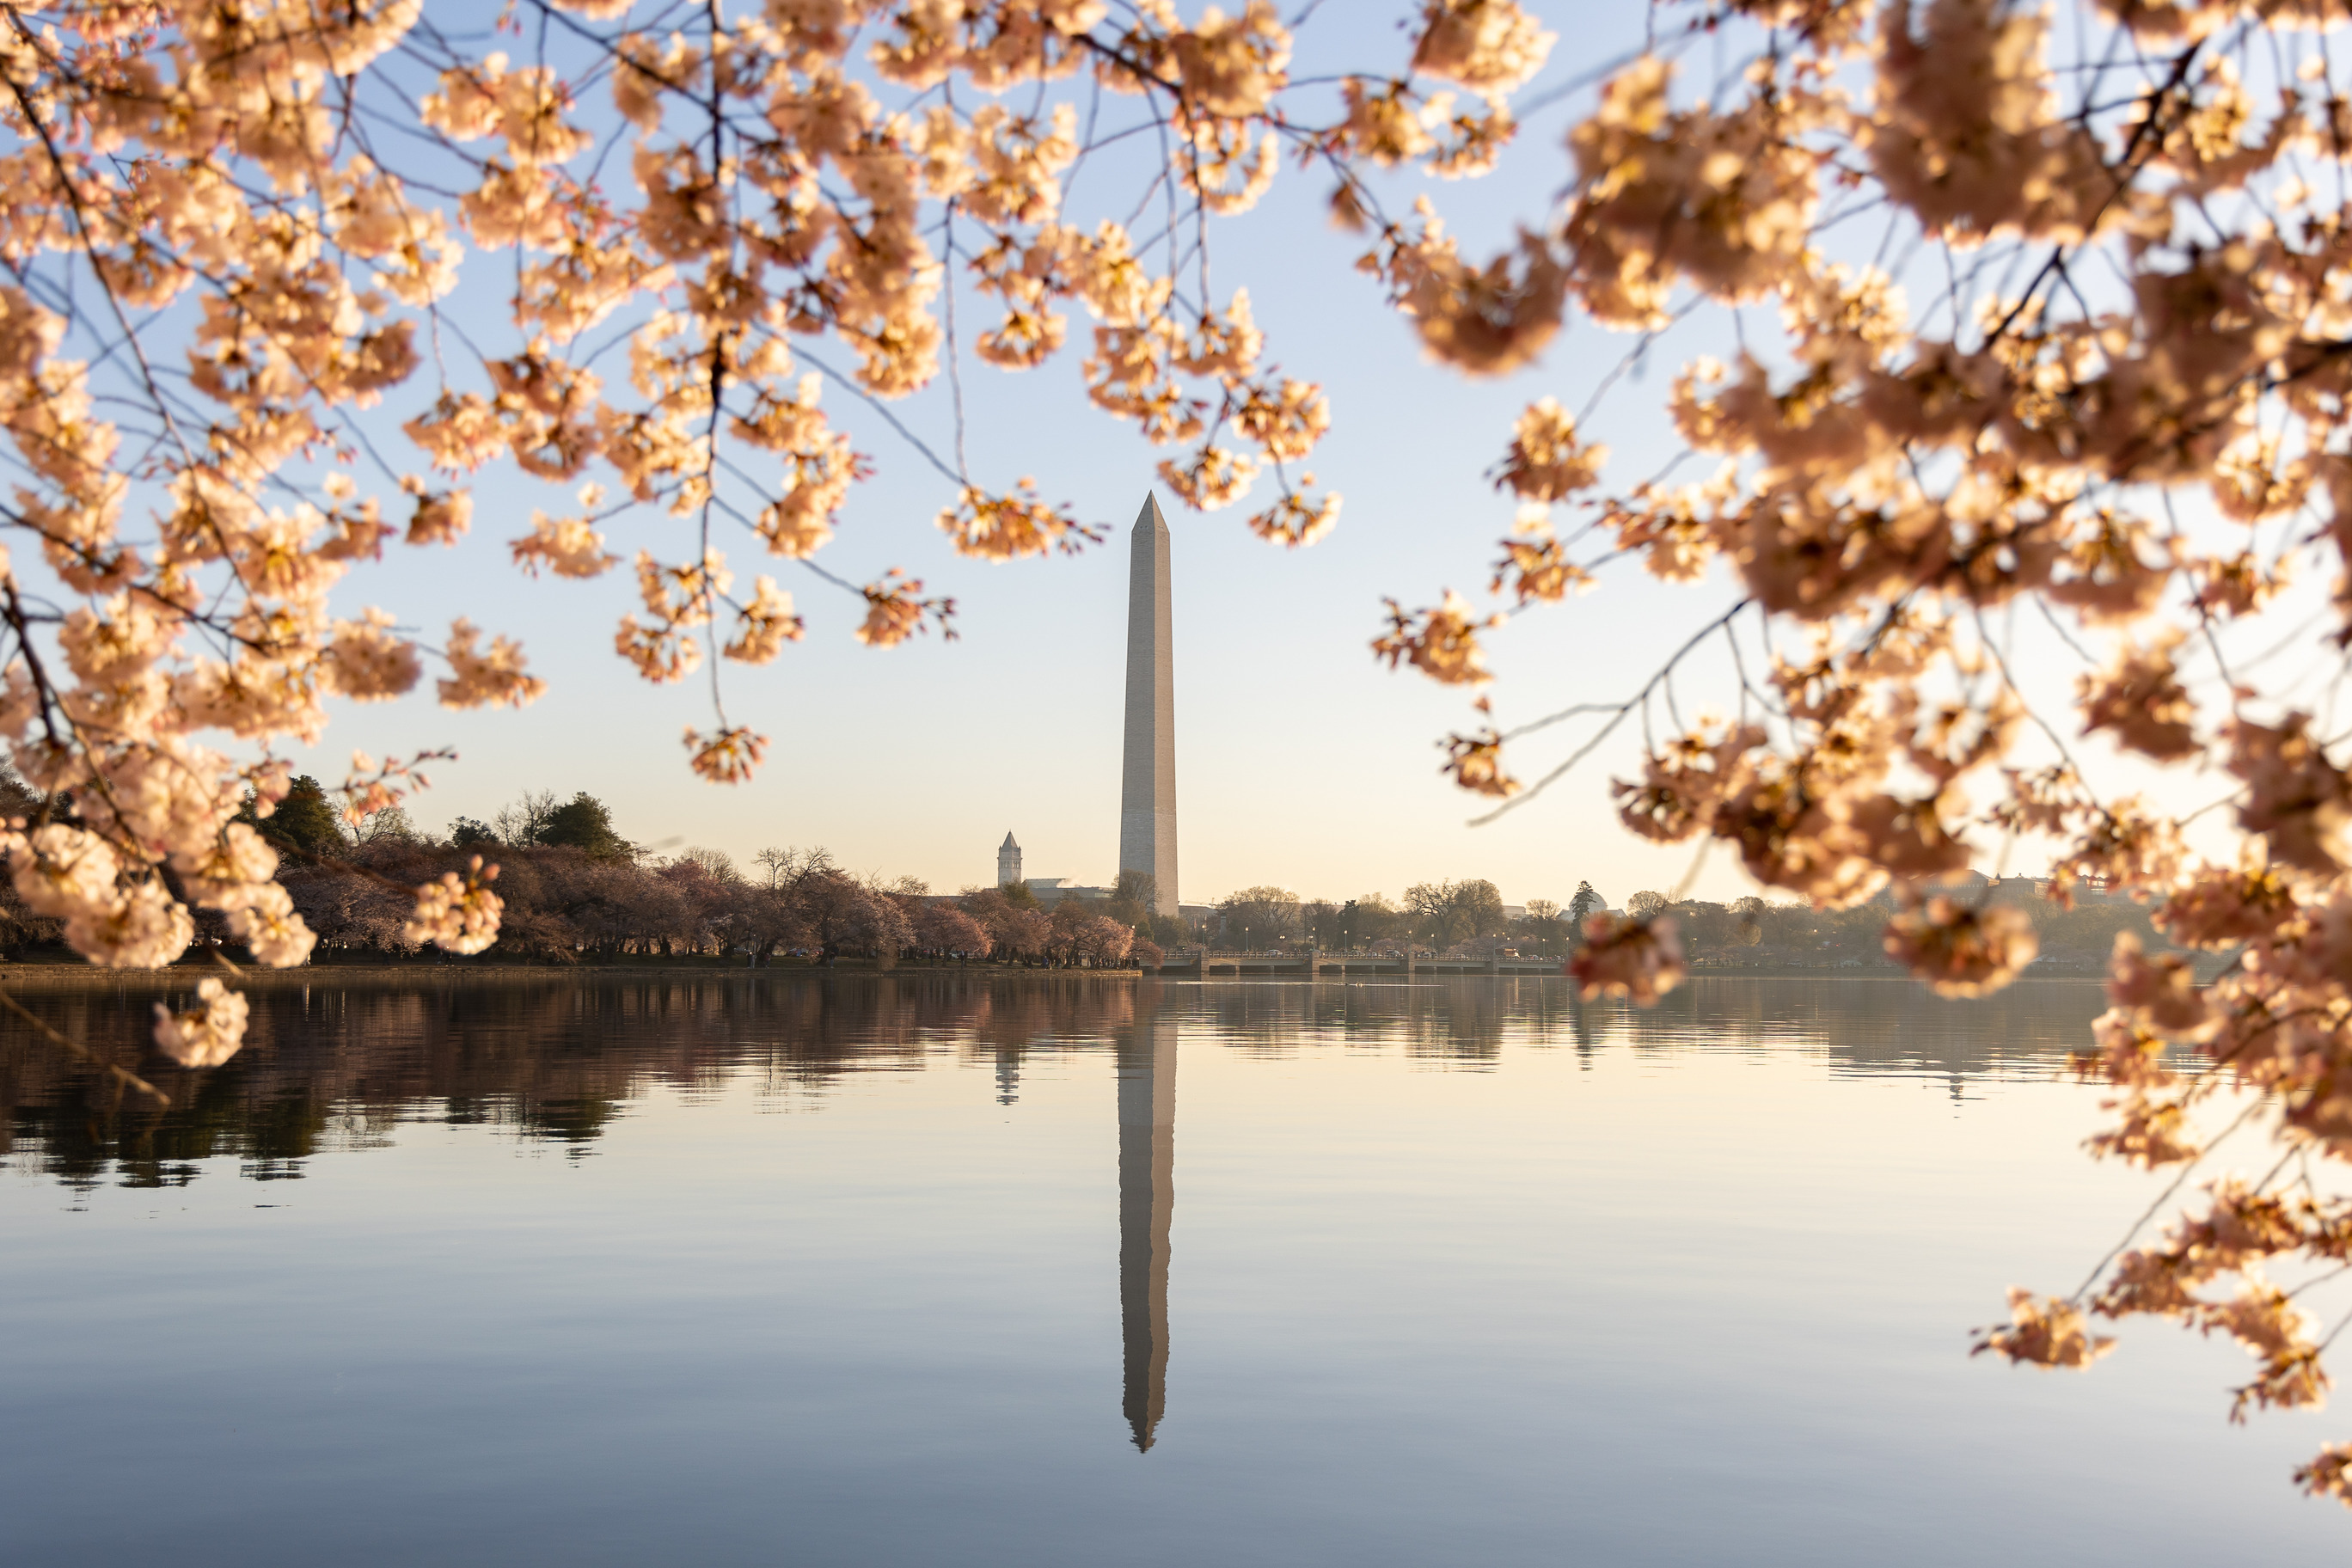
{"x":2091,"y":354}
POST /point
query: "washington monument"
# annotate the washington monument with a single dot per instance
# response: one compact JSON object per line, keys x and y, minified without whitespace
{"x":1146,"y":796}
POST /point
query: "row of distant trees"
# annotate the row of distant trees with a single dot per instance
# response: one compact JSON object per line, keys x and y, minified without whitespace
{"x":573,"y":884}
{"x":1434,"y":916}
{"x":1754,"y":931}
{"x":1469,"y":916}
{"x":575,"y":890}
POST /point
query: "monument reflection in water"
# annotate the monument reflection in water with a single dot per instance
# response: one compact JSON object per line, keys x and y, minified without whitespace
{"x":754,"y":1269}
{"x":1147,"y":1204}
{"x":320,"y":1064}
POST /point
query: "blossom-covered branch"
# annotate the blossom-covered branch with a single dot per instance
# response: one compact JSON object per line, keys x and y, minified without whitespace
{"x":283,"y":280}
{"x":2096,"y":358}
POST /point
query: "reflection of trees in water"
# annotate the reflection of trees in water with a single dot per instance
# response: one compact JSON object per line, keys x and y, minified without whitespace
{"x":1864,"y":1025}
{"x":1462,"y":1022}
{"x":1867,"y":1025}
{"x":1458,"y":1022}
{"x":337,"y":1065}
{"x":997,"y":1022}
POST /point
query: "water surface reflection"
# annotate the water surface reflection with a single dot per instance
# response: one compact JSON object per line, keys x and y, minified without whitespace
{"x":741,"y":1268}
{"x":334,"y":1064}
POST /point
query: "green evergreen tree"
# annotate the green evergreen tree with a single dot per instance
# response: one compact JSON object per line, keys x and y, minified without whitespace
{"x":584,"y":823}
{"x":306,"y":821}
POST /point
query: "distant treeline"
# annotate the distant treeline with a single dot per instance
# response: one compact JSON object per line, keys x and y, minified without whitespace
{"x":1752,"y":932}
{"x":576,"y":891}
{"x":567,"y":904}
{"x":1469,"y":918}
{"x":1447,"y":917}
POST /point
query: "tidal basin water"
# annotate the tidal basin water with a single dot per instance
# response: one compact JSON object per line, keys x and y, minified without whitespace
{"x":927,"y":1269}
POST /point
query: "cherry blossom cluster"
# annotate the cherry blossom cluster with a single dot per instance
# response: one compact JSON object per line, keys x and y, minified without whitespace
{"x":2040,"y":316}
{"x":284,"y":282}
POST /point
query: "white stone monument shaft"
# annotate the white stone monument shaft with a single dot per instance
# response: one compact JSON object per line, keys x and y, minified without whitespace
{"x":1146,"y":798}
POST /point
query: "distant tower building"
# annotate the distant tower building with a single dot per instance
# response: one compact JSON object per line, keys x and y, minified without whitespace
{"x":1147,"y":800}
{"x":1008,"y":862}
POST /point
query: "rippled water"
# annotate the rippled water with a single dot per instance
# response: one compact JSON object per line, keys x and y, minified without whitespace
{"x":930,"y":1270}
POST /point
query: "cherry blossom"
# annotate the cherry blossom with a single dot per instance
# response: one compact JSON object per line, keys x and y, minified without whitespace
{"x":205,"y":1035}
{"x":1638,"y":959}
{"x":458,"y":914}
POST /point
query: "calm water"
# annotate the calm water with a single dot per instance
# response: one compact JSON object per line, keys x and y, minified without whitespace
{"x":924,"y":1271}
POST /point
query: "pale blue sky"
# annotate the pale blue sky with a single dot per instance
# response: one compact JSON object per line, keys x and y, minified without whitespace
{"x":1300,"y":761}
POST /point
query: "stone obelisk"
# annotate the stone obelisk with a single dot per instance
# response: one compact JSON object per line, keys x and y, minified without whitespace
{"x":1146,"y":796}
{"x":1147,"y":1204}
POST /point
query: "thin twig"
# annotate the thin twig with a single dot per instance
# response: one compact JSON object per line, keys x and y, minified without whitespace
{"x":2162,"y":1198}
{"x":1623,"y":708}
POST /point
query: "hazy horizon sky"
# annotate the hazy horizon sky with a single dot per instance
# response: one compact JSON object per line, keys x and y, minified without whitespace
{"x":1301,"y":762}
